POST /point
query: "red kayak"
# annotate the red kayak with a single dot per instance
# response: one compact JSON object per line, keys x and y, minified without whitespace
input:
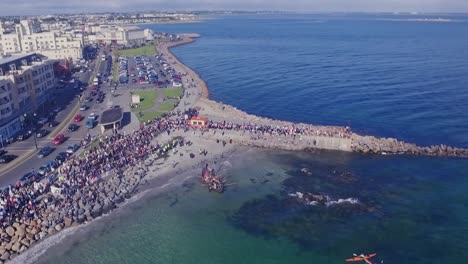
{"x":362,"y":258}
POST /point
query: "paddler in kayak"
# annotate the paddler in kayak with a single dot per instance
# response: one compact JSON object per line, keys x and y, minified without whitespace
{"x":363,"y":257}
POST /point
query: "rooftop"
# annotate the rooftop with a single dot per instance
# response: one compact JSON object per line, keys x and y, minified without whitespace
{"x":111,"y":116}
{"x":11,"y":58}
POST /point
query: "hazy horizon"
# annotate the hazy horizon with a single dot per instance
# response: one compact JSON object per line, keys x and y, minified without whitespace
{"x":31,"y":7}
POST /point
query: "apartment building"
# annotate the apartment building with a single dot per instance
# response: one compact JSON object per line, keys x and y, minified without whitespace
{"x":27,"y":37}
{"x":121,"y":35}
{"x":26,"y":83}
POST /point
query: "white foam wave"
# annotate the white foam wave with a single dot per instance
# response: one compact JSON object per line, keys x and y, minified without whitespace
{"x":340,"y":201}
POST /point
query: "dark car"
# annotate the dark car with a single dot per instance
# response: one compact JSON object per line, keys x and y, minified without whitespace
{"x":100,"y":99}
{"x":41,"y":133}
{"x":53,"y":123}
{"x":3,"y":152}
{"x":72,"y":127}
{"x":61,"y":157}
{"x":7,"y":158}
{"x":44,"y":151}
{"x":28,"y":177}
{"x":22,"y":135}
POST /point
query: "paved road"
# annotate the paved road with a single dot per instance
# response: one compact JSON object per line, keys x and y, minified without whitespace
{"x":67,"y":98}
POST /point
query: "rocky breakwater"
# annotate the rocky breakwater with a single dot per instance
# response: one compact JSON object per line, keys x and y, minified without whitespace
{"x":311,"y":136}
{"x":59,"y":212}
{"x":391,"y":146}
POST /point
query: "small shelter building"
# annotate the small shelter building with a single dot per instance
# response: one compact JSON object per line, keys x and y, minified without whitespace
{"x":198,"y":122}
{"x":111,"y":119}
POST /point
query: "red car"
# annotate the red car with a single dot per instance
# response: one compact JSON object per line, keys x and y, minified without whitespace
{"x":78,"y":118}
{"x":95,"y":89}
{"x":59,"y":139}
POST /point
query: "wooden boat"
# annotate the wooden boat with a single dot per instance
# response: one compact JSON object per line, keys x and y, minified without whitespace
{"x":361,"y":257}
{"x":210,"y":179}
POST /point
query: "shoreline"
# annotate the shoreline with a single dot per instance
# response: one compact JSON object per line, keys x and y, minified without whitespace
{"x":165,"y":48}
{"x":131,"y":184}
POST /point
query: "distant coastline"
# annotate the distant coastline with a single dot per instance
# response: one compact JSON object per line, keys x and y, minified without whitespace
{"x":166,"y":22}
{"x":431,"y":20}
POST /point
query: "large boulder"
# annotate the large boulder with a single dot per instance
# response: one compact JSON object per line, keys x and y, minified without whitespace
{"x":97,"y":210}
{"x":10,"y":231}
{"x":81,"y":218}
{"x":68,"y":222}
{"x":16,"y":247}
{"x":5,"y":256}
{"x":25,"y":242}
{"x":58,"y":227}
{"x":20,"y":231}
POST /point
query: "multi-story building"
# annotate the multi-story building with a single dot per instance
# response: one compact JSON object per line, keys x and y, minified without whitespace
{"x":26,"y":83}
{"x":28,"y":37}
{"x":110,"y":34}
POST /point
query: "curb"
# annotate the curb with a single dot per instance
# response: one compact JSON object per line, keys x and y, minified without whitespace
{"x":17,"y":162}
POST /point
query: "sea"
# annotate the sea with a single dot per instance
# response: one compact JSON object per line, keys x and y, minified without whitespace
{"x":389,"y":75}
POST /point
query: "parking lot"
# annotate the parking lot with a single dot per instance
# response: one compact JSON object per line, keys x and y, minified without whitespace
{"x":142,"y":72}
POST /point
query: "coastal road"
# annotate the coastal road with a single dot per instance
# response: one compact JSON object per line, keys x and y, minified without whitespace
{"x":67,"y":98}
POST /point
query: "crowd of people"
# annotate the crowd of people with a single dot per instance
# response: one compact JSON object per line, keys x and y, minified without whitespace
{"x":329,"y":131}
{"x":113,"y":153}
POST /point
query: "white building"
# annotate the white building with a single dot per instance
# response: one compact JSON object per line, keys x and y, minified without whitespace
{"x":27,"y":38}
{"x":121,"y":35}
{"x":26,"y":82}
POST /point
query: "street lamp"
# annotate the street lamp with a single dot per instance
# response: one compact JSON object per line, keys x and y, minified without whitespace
{"x":33,"y":132}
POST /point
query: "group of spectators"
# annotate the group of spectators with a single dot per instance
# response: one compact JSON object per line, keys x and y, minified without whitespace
{"x":112,"y":154}
{"x":325,"y":131}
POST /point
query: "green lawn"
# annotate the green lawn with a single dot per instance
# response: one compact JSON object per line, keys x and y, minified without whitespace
{"x":172,"y":92}
{"x":149,"y":116}
{"x":148,"y":50}
{"x":147,"y":100}
{"x":166,"y":107}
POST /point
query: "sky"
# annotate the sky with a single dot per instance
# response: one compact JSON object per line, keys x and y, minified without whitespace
{"x":42,"y":7}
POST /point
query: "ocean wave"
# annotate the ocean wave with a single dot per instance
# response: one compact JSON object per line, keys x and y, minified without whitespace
{"x":316,"y":199}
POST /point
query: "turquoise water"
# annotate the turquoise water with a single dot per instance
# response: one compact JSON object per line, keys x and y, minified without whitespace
{"x":418,"y":215}
{"x":388,"y":78}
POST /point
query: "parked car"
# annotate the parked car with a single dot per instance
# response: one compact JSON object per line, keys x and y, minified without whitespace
{"x":3,"y":152}
{"x":92,"y":115}
{"x":88,"y":99}
{"x":28,"y":177}
{"x":22,"y":135}
{"x":61,"y":157}
{"x":72,"y":127}
{"x":72,"y":148}
{"x":83,"y":107}
{"x":43,"y":152}
{"x":41,"y":133}
{"x":59,"y":139}
{"x":42,"y":120}
{"x":7,"y":158}
{"x":78,"y":118}
{"x":53,"y":123}
{"x":43,"y":170}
